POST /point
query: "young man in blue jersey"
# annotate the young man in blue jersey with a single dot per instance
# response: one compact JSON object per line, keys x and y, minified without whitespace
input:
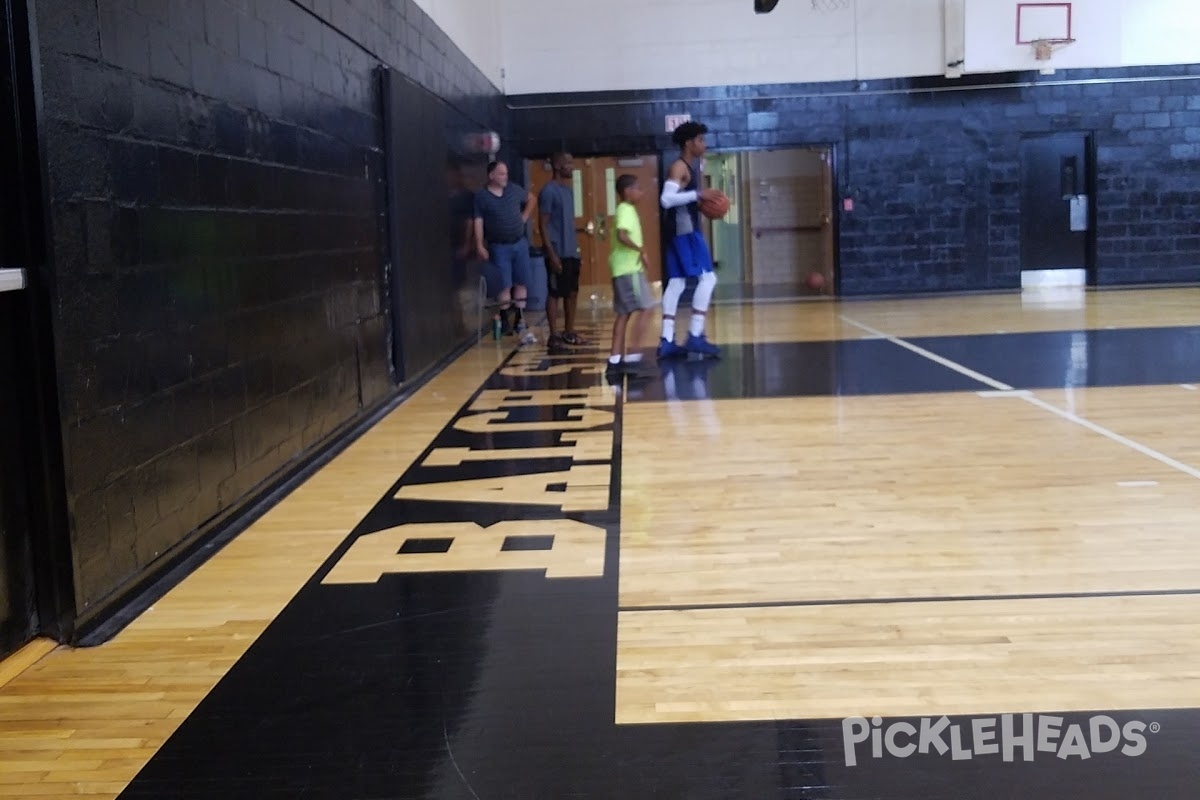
{"x":687,"y":252}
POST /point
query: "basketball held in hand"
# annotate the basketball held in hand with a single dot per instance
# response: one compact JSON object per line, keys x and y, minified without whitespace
{"x":715,"y":206}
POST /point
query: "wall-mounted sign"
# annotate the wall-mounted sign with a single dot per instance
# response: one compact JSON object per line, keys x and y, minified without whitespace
{"x":675,"y":120}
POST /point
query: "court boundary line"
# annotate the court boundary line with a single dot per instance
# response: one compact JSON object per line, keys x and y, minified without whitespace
{"x":1033,"y":400}
{"x":945,"y":362}
{"x":865,"y":601}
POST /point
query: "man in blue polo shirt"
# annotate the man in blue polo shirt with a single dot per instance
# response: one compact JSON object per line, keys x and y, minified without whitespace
{"x":502,"y":210}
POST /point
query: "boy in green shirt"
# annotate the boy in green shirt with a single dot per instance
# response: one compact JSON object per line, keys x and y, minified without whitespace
{"x":631,"y":290}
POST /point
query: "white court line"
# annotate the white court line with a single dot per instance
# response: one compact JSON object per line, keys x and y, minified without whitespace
{"x":945,"y":362}
{"x":1136,"y":484}
{"x":1036,"y":401}
{"x":1116,"y":437}
{"x":1010,"y":393}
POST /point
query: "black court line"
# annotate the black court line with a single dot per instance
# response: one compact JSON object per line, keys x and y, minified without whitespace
{"x":865,"y":601}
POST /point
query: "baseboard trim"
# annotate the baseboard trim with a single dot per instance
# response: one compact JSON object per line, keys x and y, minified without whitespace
{"x":1053,"y":278}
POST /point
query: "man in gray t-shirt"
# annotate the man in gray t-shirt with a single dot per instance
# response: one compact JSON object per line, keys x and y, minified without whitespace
{"x":556,"y":204}
{"x":502,"y":210}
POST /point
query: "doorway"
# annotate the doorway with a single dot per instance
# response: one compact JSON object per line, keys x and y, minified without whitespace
{"x":789,"y":204}
{"x":1056,"y":210}
{"x":594,"y":184}
{"x":726,"y":237}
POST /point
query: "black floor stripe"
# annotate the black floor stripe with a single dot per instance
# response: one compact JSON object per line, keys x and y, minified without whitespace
{"x":867,"y":601}
{"x":452,"y":685}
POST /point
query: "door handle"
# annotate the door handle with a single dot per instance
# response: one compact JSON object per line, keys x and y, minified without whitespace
{"x":1069,"y":177}
{"x":12,"y":280}
{"x":591,"y":228}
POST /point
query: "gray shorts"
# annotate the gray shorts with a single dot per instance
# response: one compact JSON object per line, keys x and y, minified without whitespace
{"x":631,"y":293}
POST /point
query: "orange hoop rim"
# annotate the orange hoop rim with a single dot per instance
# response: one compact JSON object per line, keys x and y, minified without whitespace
{"x":1043,"y":49}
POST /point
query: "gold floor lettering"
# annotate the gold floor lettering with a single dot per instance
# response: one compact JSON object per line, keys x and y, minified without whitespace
{"x":495,"y":399}
{"x":533,"y":369}
{"x":578,"y":419}
{"x":538,"y":356}
{"x":586,"y":489}
{"x":577,"y":550}
{"x":572,"y":549}
{"x":582,"y":446}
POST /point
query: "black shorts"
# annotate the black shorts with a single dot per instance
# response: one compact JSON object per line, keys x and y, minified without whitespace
{"x":563,"y":284}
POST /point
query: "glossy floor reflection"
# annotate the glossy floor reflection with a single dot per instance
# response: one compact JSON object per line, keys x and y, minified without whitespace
{"x":794,"y":369}
{"x":704,"y":585}
{"x":1043,"y":360}
{"x":1064,"y":359}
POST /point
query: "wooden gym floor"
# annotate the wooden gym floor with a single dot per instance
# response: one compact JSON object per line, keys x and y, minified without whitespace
{"x":769,"y":576}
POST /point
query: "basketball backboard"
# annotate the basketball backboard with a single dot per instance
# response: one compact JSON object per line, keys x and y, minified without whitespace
{"x":1044,"y":27}
{"x":1043,"y":22}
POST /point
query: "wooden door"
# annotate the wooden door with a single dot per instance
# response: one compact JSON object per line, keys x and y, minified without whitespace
{"x":604,"y":172}
{"x":595,"y":207}
{"x":540,"y":174}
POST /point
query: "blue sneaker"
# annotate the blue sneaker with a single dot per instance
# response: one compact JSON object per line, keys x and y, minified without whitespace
{"x":701,"y":345}
{"x":668,"y":349}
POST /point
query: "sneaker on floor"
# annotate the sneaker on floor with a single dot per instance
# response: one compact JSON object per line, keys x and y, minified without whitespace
{"x":626,"y":369}
{"x":668,"y":349}
{"x":637,"y":377}
{"x":701,"y":345}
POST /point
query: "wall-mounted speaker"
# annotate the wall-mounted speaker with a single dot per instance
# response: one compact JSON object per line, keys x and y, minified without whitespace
{"x":764,"y":6}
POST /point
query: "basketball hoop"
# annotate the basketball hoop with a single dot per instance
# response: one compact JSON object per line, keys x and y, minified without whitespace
{"x":1043,"y":50}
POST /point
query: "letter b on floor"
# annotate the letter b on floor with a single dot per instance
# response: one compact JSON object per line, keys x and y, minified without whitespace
{"x":576,"y":550}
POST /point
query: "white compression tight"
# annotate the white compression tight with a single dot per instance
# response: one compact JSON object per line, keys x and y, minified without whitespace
{"x":700,"y":302}
{"x":704,"y":292}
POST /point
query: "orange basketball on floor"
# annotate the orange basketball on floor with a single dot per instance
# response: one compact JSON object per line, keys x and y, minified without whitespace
{"x":716,"y":207}
{"x":816,"y":281}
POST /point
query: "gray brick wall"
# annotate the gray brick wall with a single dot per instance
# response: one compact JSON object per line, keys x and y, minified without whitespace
{"x":218,"y":219}
{"x":936,"y":174}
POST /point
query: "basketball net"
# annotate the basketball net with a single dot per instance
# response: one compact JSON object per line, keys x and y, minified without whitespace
{"x":1043,"y":50}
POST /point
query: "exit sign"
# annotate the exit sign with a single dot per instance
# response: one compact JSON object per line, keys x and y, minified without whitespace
{"x":675,"y":120}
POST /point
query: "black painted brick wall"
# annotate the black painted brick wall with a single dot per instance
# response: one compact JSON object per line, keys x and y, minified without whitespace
{"x":935,"y":175}
{"x":218,"y":225}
